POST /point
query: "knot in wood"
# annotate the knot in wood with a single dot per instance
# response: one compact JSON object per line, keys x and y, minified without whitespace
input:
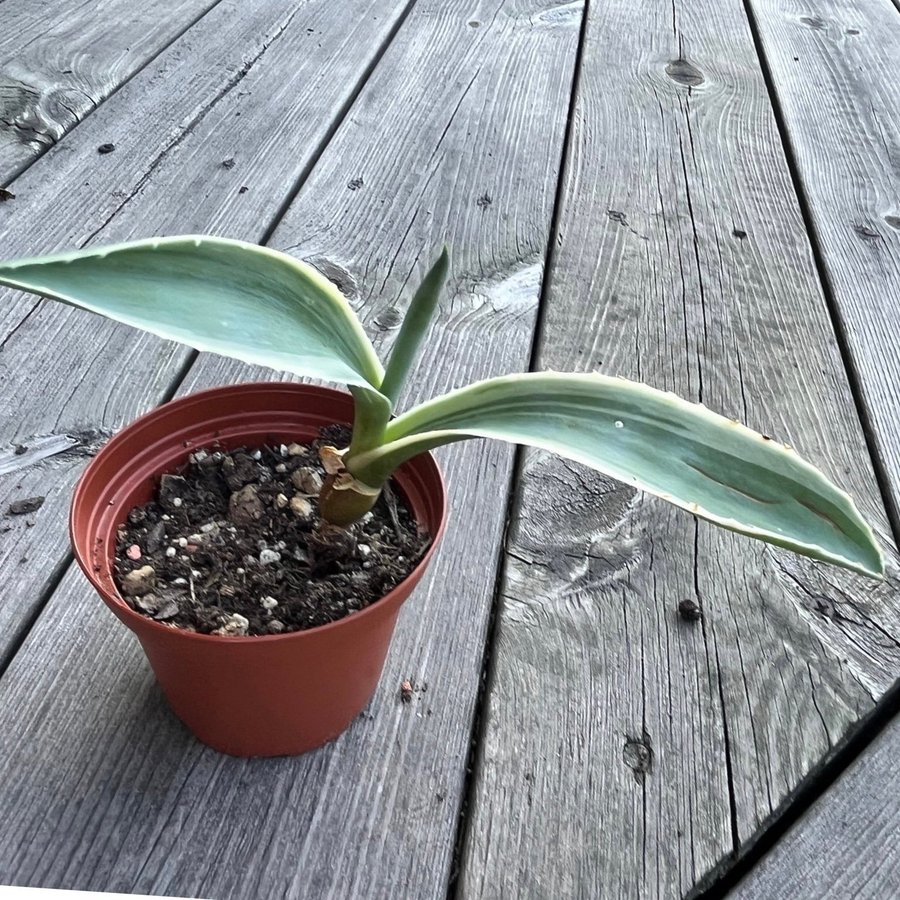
{"x":637,"y":754}
{"x":389,"y":318}
{"x":684,"y":72}
{"x":866,"y":233}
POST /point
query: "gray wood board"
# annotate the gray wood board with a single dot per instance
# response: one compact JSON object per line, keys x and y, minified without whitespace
{"x":832,"y":64}
{"x":845,"y":845}
{"x":458,"y":137}
{"x":626,"y":752}
{"x":244,"y":85}
{"x":841,"y":119}
{"x":60,"y":60}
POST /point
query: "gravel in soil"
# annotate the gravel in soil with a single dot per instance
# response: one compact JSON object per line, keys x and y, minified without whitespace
{"x":234,"y":545}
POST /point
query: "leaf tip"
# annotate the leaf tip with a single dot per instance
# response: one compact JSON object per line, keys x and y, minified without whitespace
{"x":442,"y":264}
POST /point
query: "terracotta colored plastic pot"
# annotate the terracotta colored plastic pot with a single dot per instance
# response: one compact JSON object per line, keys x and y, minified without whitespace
{"x":247,"y":696}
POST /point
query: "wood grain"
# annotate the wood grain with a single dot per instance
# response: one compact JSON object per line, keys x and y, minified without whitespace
{"x":843,"y":846}
{"x":830,"y":63}
{"x":627,"y":752}
{"x":230,"y":89}
{"x":60,"y":60}
{"x":458,"y":137}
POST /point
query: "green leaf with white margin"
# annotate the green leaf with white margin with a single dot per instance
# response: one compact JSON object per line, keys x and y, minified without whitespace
{"x":215,"y":294}
{"x":712,"y":466}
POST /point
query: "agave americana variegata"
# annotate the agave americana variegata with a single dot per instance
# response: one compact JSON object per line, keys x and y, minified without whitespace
{"x":265,"y":307}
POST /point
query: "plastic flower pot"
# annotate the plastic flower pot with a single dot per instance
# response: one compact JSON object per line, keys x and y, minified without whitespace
{"x":248,"y":696}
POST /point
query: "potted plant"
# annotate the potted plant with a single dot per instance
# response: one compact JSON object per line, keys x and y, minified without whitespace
{"x":285,"y":693}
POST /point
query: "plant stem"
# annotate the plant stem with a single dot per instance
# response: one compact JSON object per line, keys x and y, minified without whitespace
{"x":371,"y":414}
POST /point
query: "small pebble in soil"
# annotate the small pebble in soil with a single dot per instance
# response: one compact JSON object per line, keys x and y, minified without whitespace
{"x":268,"y":557}
{"x":301,"y":508}
{"x":106,"y":148}
{"x":244,"y":506}
{"x":133,"y":552}
{"x":138,"y":581}
{"x":233,"y":545}
{"x":234,"y":624}
{"x":307,"y":480}
{"x":690,"y":611}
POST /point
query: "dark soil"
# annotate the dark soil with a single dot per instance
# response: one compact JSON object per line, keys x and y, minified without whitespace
{"x":234,"y":545}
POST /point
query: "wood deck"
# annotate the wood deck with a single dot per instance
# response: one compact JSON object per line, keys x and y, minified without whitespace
{"x":702,"y":195}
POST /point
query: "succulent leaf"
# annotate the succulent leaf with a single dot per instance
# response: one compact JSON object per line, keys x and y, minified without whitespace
{"x":264,"y":307}
{"x":415,"y":324}
{"x":230,"y":297}
{"x":714,"y":467}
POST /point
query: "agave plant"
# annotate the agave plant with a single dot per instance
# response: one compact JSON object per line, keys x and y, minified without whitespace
{"x":264,"y":307}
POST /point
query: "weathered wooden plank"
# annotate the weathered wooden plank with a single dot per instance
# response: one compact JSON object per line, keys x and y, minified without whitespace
{"x":626,"y":752}
{"x":830,"y":63}
{"x":456,"y":137}
{"x":59,"y":61}
{"x":238,"y":111}
{"x":840,"y":118}
{"x":843,"y":846}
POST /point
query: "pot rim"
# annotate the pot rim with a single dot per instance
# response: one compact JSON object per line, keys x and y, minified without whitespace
{"x":120,"y":607}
